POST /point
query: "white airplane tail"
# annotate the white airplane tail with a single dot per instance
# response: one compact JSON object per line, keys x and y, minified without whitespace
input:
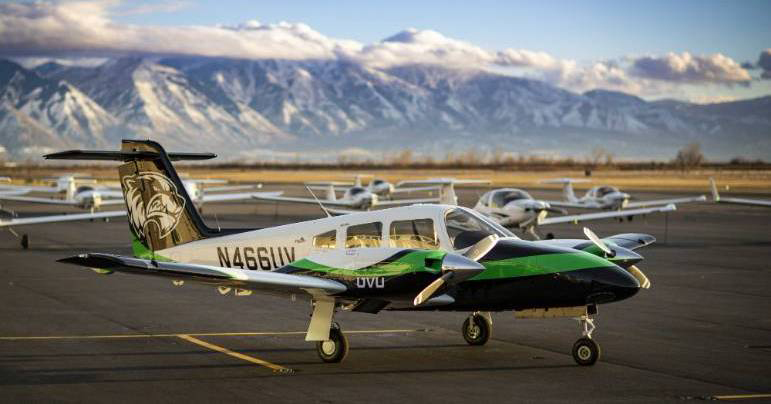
{"x":715,"y":194}
{"x":567,"y":187}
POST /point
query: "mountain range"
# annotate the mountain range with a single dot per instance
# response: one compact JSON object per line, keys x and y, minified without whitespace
{"x":246,"y":108}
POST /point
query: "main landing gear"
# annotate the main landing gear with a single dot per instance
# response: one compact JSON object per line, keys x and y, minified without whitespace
{"x":585,"y":351}
{"x":478,"y":328}
{"x":23,"y":239}
{"x":335,"y":349}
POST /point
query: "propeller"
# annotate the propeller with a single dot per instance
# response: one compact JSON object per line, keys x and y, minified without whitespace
{"x":645,"y":283}
{"x":458,"y":268}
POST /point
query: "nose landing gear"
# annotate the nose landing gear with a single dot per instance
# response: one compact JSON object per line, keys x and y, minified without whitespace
{"x":585,"y":351}
{"x":477,"y":328}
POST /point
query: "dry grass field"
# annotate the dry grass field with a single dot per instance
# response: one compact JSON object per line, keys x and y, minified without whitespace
{"x":741,"y":181}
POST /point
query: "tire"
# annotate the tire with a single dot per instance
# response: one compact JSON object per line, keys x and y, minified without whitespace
{"x":24,"y":241}
{"x":586,"y":352}
{"x":335,"y":349}
{"x":476,"y":330}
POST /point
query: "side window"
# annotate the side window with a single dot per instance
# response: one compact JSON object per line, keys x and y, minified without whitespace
{"x":326,"y":240}
{"x":413,"y":234}
{"x":364,"y":235}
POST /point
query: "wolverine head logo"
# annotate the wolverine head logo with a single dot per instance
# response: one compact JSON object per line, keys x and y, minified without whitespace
{"x":153,"y":203}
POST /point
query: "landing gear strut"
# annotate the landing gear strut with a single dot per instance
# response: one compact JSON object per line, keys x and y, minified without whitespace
{"x":477,"y":328}
{"x":24,"y":238}
{"x":585,"y":351}
{"x":335,"y":349}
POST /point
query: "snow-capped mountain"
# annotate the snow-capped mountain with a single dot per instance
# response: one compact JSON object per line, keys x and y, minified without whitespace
{"x":230,"y":106}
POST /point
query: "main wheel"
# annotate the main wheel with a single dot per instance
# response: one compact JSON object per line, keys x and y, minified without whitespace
{"x":586,"y":352}
{"x":335,"y":348}
{"x":476,"y":330}
{"x":24,"y":241}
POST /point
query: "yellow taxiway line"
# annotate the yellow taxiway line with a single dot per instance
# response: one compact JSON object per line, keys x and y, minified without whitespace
{"x":197,"y":334}
{"x":741,"y":396}
{"x":252,"y":359}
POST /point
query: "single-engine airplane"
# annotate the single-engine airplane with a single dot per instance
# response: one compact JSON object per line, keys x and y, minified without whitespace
{"x":419,"y":257}
{"x":607,"y":197}
{"x":736,"y":201}
{"x":511,"y":207}
{"x":378,"y":186}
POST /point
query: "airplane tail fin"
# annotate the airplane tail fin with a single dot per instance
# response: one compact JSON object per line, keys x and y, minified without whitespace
{"x":567,"y":187}
{"x":161,"y":214}
{"x":715,"y":194}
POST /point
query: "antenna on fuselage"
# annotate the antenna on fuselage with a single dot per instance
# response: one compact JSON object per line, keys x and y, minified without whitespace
{"x":318,"y":201}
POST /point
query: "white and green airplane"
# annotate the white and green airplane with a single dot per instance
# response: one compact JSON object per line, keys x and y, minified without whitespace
{"x":423,"y":257}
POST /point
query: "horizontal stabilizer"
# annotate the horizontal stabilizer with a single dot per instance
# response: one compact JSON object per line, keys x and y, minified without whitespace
{"x":109,"y":155}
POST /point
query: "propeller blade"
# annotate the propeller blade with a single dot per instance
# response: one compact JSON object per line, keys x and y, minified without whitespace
{"x":645,"y":283}
{"x":429,"y":290}
{"x":597,"y":241}
{"x":481,"y":248}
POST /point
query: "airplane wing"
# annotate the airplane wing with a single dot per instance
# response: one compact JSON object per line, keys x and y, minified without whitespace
{"x":32,"y":199}
{"x":631,"y":241}
{"x":230,"y":188}
{"x":605,"y":215}
{"x":399,"y":202}
{"x":263,"y":281}
{"x":59,"y":218}
{"x":642,"y":204}
{"x":415,"y":189}
{"x":565,"y":204}
{"x":742,"y":201}
{"x":263,"y":197}
{"x":239,"y":196}
{"x":439,"y":182}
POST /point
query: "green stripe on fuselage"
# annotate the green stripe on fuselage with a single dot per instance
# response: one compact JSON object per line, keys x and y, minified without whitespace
{"x":414,"y":261}
{"x":540,"y":265}
{"x":141,"y":251}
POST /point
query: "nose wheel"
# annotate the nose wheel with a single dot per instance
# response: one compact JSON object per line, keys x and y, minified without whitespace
{"x":585,"y":351}
{"x":477,"y":328}
{"x":335,"y":349}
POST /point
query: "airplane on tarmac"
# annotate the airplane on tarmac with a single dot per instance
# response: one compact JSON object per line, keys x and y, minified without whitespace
{"x":419,"y":257}
{"x":607,"y":197}
{"x":380,"y":187}
{"x":736,"y":201}
{"x":511,"y":207}
{"x":355,"y":197}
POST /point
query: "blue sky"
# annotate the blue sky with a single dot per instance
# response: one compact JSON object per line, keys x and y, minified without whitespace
{"x":656,"y":49}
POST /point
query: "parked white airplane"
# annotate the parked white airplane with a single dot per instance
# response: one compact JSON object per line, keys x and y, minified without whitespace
{"x":607,"y":197}
{"x":421,"y":257}
{"x":736,"y":201}
{"x":511,"y":207}
{"x":356,"y":197}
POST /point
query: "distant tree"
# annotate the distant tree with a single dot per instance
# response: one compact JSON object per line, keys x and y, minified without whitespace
{"x":689,"y":157}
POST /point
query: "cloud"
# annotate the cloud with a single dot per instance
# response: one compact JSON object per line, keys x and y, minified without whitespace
{"x":764,"y":62}
{"x":86,"y":28}
{"x":687,"y":68}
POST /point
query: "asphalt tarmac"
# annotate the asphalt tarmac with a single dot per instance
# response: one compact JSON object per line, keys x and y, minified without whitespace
{"x":703,"y":331}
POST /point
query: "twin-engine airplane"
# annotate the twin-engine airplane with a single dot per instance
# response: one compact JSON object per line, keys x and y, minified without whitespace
{"x":607,"y":197}
{"x":420,"y":257}
{"x":736,"y":201}
{"x":511,"y":207}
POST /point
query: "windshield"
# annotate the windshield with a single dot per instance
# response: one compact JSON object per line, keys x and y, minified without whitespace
{"x":602,"y":191}
{"x":466,"y":229}
{"x":356,"y":190}
{"x":377,"y":182}
{"x":501,"y":198}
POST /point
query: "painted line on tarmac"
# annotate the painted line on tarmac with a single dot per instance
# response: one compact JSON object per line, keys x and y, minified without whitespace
{"x":251,"y":359}
{"x":201,"y":334}
{"x":741,"y":396}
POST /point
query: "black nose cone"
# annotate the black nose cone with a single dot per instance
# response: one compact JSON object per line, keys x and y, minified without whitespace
{"x":611,"y":285}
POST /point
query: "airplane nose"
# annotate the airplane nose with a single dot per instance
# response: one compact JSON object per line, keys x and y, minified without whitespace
{"x":611,"y":284}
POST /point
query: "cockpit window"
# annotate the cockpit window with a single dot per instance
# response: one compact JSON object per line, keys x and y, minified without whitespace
{"x":356,"y":190}
{"x":501,"y":198}
{"x":417,"y":233}
{"x":83,"y":189}
{"x":377,"y":182}
{"x":604,"y":190}
{"x":367,"y":235}
{"x":466,"y":229}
